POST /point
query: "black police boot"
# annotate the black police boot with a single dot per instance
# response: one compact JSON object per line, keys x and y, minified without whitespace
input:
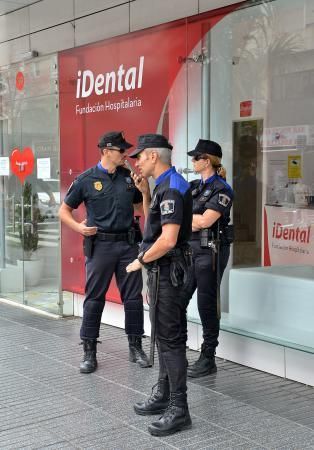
{"x":89,"y":363}
{"x":136,"y":352}
{"x":205,"y":365}
{"x":175,"y":418}
{"x":158,"y":401}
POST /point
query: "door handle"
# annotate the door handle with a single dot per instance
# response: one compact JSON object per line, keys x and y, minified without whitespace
{"x":185,"y":170}
{"x":13,"y":213}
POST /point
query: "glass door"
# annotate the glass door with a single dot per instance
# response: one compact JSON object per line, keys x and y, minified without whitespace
{"x":30,"y":192}
{"x":11,"y":250}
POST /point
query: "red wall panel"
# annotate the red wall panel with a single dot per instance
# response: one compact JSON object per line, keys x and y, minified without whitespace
{"x":163,"y":48}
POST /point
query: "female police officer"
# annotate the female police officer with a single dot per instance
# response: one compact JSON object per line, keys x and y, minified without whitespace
{"x":212,"y":201}
{"x":109,"y":195}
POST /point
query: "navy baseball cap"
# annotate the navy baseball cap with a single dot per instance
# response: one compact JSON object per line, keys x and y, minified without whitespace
{"x":150,"y":141}
{"x":206,"y":146}
{"x":114,"y":139}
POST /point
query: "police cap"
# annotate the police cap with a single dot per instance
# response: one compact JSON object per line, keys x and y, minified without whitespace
{"x":114,"y":139}
{"x":206,"y":146}
{"x":150,"y":141}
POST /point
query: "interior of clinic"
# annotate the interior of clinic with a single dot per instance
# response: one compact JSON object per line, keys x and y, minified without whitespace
{"x":249,"y":85}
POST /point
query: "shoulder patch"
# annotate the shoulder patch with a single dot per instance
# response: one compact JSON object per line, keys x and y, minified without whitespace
{"x":167,"y":207}
{"x":224,"y":200}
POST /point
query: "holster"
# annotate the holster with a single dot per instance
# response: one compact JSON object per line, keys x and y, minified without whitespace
{"x":206,"y":236}
{"x":138,"y":231}
{"x":181,"y":260}
{"x":88,"y":246}
{"x":228,"y":234}
{"x":131,"y":236}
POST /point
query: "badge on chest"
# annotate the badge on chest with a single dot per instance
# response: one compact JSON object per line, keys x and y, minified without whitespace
{"x":98,"y":185}
{"x":205,"y":195}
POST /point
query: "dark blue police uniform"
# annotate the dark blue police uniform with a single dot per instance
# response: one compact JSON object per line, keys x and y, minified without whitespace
{"x":109,"y":200}
{"x":171,"y":203}
{"x":109,"y":203}
{"x":167,"y":276}
{"x":214,"y":194}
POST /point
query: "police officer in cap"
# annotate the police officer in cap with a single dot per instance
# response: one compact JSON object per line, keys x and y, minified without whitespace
{"x":211,"y":238}
{"x":165,"y":254}
{"x":110,"y":197}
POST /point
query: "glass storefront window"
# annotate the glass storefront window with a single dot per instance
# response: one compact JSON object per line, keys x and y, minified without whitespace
{"x":258,"y":66}
{"x":30,"y":188}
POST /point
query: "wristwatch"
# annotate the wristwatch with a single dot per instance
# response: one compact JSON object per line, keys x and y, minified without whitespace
{"x":140,"y":257}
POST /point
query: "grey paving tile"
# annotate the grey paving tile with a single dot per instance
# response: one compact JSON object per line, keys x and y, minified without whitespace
{"x":43,"y":395}
{"x":233,"y":444}
{"x":59,"y":446}
{"x":26,"y":437}
{"x":81,"y":424}
{"x":124,"y":438}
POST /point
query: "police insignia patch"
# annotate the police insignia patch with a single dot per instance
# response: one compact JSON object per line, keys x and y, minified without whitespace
{"x":224,"y":200}
{"x":98,"y":185}
{"x":167,"y":207}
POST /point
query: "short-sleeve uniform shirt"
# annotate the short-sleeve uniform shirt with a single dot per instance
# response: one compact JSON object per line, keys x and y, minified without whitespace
{"x":171,"y":203}
{"x":216,"y":194}
{"x":108,"y":198}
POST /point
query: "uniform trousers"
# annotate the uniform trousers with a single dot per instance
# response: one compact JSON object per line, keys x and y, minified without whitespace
{"x":108,"y":259}
{"x":171,"y":331}
{"x":204,"y":279}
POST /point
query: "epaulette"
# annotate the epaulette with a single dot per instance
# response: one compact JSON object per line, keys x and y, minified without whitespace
{"x":84,"y":174}
{"x":221,"y":182}
{"x":194,"y":183}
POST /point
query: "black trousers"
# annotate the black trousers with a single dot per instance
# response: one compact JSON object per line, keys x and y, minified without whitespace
{"x":204,"y":279}
{"x":108,"y":259}
{"x":171,"y":331}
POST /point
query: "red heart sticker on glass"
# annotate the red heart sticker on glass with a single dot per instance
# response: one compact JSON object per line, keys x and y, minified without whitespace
{"x":22,"y":163}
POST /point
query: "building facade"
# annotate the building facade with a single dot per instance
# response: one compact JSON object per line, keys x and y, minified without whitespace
{"x":239,"y":73}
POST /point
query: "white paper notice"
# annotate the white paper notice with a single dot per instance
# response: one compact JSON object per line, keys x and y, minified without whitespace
{"x":4,"y":165}
{"x":43,"y":168}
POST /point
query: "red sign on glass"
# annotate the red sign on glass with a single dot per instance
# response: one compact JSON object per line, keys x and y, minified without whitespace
{"x":22,"y":163}
{"x":246,"y":108}
{"x":19,"y":81}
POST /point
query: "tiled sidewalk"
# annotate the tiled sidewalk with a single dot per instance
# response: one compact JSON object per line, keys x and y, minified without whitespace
{"x":45,"y":403}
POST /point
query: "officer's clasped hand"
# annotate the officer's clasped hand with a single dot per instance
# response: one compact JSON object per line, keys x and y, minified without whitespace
{"x":86,"y":231}
{"x":134,"y":266}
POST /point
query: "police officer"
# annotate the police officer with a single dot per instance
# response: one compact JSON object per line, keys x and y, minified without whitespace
{"x":110,"y":196}
{"x":212,"y":201}
{"x":165,"y":252}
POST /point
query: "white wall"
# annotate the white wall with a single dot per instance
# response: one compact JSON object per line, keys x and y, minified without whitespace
{"x":53,"y":25}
